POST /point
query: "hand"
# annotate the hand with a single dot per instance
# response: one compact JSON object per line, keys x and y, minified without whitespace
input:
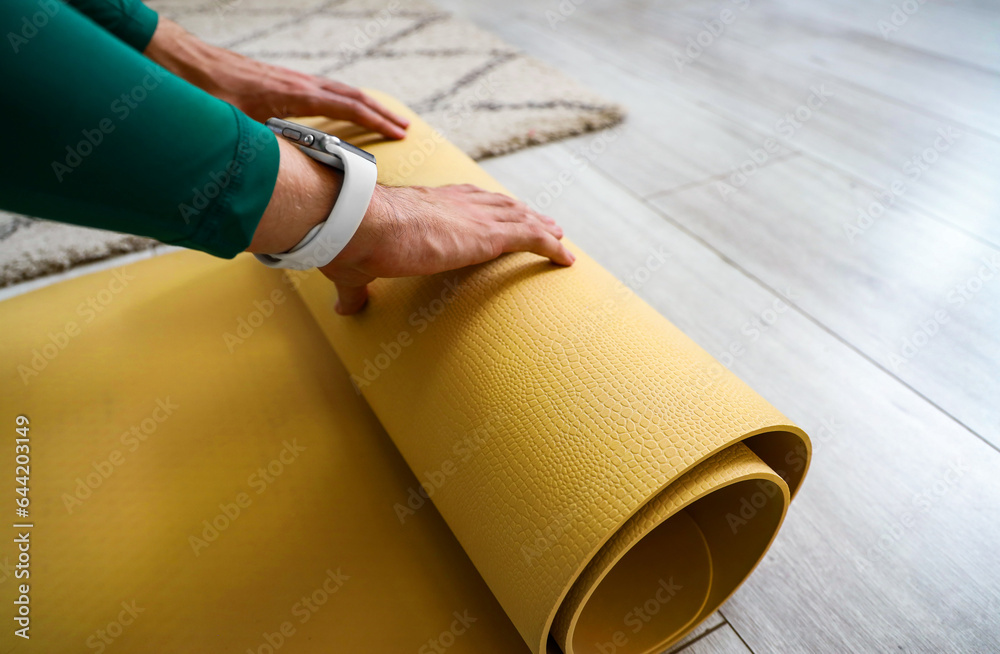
{"x":261,"y":90}
{"x":421,"y":231}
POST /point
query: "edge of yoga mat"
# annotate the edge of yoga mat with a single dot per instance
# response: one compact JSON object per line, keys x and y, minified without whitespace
{"x":182,"y":378}
{"x":501,"y":295}
{"x":515,"y":331}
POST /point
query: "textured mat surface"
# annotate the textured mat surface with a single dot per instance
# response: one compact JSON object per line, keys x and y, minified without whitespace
{"x":508,"y":457}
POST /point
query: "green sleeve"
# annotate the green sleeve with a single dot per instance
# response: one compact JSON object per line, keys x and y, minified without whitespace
{"x":129,"y":20}
{"x":98,"y":135}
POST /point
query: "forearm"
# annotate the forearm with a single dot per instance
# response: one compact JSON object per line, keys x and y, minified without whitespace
{"x":100,"y":136}
{"x":262,"y":90}
{"x":187,"y":56}
{"x":303,"y":197}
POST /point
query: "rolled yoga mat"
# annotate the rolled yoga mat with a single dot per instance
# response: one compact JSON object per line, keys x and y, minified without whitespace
{"x":513,"y":456}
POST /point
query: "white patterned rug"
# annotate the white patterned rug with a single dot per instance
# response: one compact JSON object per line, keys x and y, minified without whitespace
{"x":484,"y":95}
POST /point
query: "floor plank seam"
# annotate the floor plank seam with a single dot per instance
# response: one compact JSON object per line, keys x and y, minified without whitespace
{"x":759,"y":282}
{"x":736,"y":631}
{"x":888,"y":98}
{"x":700,"y":636}
{"x":718,"y":178}
{"x":819,"y":158}
{"x":692,"y":98}
{"x":909,"y":202}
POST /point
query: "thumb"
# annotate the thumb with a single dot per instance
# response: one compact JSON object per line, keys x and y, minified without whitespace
{"x":350,"y":299}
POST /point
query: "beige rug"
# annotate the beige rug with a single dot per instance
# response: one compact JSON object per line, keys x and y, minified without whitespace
{"x":484,"y":95}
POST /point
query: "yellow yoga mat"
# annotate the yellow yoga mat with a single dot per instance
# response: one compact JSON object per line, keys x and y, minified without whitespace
{"x":509,"y":457}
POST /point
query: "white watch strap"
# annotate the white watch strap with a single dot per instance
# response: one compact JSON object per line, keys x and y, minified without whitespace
{"x":326,"y":240}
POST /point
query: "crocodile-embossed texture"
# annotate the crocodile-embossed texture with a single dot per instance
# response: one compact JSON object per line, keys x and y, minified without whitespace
{"x":553,"y":418}
{"x":583,"y":403}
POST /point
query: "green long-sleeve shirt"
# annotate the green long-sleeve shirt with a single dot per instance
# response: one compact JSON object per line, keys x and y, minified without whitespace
{"x":96,"y":134}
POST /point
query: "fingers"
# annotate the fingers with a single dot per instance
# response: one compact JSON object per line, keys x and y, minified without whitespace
{"x":519,"y":211}
{"x":533,"y":231}
{"x":350,"y":299}
{"x":529,"y":217}
{"x":378,"y":108}
{"x":515,"y":211}
{"x":552,"y":228}
{"x":367,"y":117}
{"x":533,"y":237}
{"x":497,"y":199}
{"x":356,"y":111}
{"x":465,"y":188}
{"x":359,"y":95}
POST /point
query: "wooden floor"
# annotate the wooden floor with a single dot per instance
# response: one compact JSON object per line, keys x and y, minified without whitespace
{"x":854,"y":269}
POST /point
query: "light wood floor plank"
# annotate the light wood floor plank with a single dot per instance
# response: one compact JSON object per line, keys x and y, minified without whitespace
{"x":917,"y":297}
{"x":712,"y":622}
{"x":923,"y":80}
{"x":948,"y":172}
{"x":942,"y":169}
{"x":958,"y":29}
{"x":723,"y":640}
{"x":688,"y":142}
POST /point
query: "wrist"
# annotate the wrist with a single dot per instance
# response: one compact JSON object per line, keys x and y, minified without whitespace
{"x":378,"y":222}
{"x":303,"y":197}
{"x":184,"y":55}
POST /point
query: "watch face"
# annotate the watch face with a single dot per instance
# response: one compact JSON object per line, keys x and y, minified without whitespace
{"x":358,"y":151}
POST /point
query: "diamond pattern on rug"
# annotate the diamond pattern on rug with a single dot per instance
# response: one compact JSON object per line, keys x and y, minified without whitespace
{"x":484,"y":95}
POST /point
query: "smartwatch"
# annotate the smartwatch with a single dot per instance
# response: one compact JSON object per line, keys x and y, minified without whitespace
{"x":326,"y":240}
